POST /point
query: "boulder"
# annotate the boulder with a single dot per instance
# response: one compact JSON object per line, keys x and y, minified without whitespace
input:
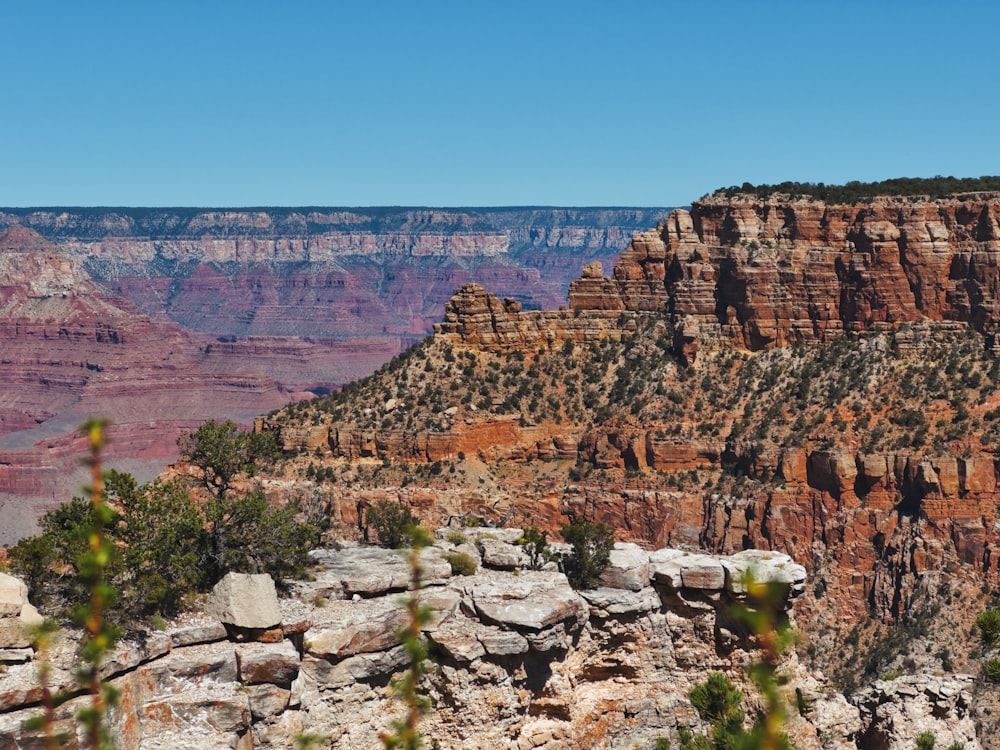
{"x":497,"y":554}
{"x":245,"y":601}
{"x":13,"y":595}
{"x":664,"y":568}
{"x":277,"y":663}
{"x":355,"y":627}
{"x":16,"y":632}
{"x":499,"y":642}
{"x":703,"y":572}
{"x":457,"y":638}
{"x":628,"y":568}
{"x":476,"y":533}
{"x":534,"y":600}
{"x":677,"y":569}
{"x":764,"y":566}
{"x":195,"y":634}
{"x":267,"y":700}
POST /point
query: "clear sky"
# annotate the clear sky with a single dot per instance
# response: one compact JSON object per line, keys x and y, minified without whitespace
{"x":474,"y":103}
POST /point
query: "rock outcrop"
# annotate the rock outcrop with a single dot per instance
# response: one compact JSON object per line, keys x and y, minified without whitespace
{"x":17,"y":618}
{"x":477,"y":319}
{"x":760,"y":273}
{"x":524,"y":661}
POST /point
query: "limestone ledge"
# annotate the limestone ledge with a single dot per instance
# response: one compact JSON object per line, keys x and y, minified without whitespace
{"x":519,"y":644}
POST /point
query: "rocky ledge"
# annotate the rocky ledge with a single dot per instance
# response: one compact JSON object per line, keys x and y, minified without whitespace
{"x":522,"y":659}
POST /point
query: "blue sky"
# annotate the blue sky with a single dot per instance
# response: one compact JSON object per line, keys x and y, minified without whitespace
{"x":474,"y":103}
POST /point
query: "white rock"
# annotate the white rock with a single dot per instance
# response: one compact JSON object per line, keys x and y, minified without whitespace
{"x":628,"y":568}
{"x":350,"y":627}
{"x":534,"y":600}
{"x":608,"y":601}
{"x":13,"y":595}
{"x":245,"y":600}
{"x":497,"y":554}
{"x":764,"y":566}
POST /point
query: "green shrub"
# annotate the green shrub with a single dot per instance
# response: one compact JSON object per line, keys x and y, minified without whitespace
{"x":536,"y":545}
{"x":988,"y":623}
{"x":162,"y":547}
{"x":991,"y":670}
{"x":688,"y":741}
{"x":392,"y":522}
{"x":455,"y":537}
{"x":591,"y":551}
{"x":716,"y":698}
{"x":925,"y":741}
{"x":461,"y":563}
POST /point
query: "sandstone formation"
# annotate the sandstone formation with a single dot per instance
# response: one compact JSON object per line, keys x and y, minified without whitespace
{"x":477,"y":319}
{"x":523,"y":662}
{"x":760,"y":273}
{"x":378,"y":275}
{"x":705,"y":397}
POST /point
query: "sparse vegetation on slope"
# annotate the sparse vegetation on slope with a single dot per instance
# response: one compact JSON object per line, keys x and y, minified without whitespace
{"x":720,"y":437}
{"x":163,"y":545}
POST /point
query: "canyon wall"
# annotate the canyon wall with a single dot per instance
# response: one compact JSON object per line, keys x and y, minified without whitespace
{"x":877,"y":464}
{"x":159,"y":319}
{"x":761,"y":273}
{"x":339,"y":274}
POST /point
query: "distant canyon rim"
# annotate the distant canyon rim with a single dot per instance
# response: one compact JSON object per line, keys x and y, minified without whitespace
{"x":159,"y":319}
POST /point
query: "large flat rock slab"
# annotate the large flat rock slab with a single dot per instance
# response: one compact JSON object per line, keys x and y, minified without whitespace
{"x":533,"y":600}
{"x":345,"y":627}
{"x":762,"y":566}
{"x":371,"y":571}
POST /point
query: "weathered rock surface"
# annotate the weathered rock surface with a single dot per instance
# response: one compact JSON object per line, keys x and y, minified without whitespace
{"x":17,"y":615}
{"x":13,"y":595}
{"x":245,"y":601}
{"x":762,"y":273}
{"x":523,"y":661}
{"x":896,"y":712}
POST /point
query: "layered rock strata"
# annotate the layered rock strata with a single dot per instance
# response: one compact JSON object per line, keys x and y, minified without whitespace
{"x":760,"y":273}
{"x":330,"y":273}
{"x":162,"y":318}
{"x":71,"y":350}
{"x":523,"y":660}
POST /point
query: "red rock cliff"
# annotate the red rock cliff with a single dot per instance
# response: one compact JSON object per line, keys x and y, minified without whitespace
{"x":763,"y":273}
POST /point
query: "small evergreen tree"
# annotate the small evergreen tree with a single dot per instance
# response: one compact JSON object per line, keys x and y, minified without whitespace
{"x":392,"y":522}
{"x":536,"y":545}
{"x":591,"y":544}
{"x":988,"y":623}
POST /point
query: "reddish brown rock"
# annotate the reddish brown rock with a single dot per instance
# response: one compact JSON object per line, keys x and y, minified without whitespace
{"x":763,"y":273}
